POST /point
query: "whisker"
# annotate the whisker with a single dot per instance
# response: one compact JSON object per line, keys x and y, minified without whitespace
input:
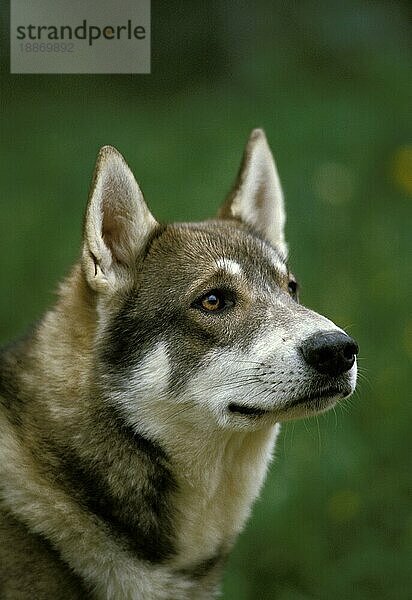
{"x":237,"y":384}
{"x":319,"y":436}
{"x":336,"y":417}
{"x":250,"y":361}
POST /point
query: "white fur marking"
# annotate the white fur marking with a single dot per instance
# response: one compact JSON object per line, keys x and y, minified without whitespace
{"x":278,"y":263}
{"x":229,"y":265}
{"x":152,"y":375}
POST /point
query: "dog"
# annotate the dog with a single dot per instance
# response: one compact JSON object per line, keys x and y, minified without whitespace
{"x":139,"y":415}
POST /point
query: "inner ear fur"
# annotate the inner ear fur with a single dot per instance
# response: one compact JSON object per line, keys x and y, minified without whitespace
{"x":256,"y":198}
{"x":117,"y":222}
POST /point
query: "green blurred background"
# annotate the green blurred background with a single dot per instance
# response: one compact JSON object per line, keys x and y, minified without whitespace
{"x":331,"y":84}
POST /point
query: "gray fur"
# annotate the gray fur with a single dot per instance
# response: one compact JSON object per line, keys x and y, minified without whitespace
{"x":136,"y":427}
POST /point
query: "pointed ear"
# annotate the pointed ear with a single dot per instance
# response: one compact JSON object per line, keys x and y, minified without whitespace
{"x":257,"y":198}
{"x":117,"y":223}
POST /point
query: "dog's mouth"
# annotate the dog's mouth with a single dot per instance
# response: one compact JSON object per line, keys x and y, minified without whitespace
{"x":319,"y":396}
{"x":248,"y":411}
{"x":317,"y":399}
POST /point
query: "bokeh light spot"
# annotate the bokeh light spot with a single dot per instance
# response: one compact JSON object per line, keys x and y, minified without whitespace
{"x":401,"y":170}
{"x":407,"y":338}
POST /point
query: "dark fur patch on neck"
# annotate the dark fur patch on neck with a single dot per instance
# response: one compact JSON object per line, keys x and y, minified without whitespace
{"x":134,"y":501}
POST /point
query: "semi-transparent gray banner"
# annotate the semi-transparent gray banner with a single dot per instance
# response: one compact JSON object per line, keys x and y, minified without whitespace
{"x":74,"y":36}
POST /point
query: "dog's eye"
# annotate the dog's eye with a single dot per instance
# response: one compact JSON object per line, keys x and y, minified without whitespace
{"x":293,"y":288}
{"x":214,"y":301}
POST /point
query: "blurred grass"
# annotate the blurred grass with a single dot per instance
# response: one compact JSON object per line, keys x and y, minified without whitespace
{"x":330,"y":82}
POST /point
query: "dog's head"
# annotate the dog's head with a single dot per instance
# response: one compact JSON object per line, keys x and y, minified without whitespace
{"x":202,"y":320}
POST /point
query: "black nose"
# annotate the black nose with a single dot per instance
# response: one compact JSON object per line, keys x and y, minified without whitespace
{"x":330,"y":352}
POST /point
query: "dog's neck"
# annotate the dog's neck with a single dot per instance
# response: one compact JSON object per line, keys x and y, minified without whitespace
{"x":220,"y":476}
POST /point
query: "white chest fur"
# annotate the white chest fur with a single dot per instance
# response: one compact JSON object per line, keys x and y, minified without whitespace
{"x":217,"y":487}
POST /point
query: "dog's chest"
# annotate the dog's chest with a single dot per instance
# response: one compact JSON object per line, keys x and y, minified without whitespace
{"x":216,"y":492}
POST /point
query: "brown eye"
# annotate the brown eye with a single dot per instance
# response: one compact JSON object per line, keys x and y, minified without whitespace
{"x":214,"y":301}
{"x":211,"y":302}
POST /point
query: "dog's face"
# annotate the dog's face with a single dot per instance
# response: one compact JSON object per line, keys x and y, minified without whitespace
{"x":202,"y":320}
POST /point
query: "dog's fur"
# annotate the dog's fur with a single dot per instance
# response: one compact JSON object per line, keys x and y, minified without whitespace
{"x":137,"y":423}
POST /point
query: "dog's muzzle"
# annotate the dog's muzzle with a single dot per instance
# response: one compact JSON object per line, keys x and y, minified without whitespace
{"x":330,"y":352}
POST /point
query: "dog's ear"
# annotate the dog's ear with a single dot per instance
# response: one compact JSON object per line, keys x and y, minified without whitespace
{"x":257,"y":198}
{"x":117,"y":223}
